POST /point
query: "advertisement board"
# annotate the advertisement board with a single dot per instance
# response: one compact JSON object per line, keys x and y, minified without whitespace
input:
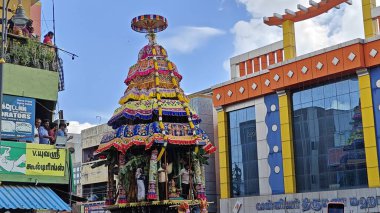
{"x":94,"y":207}
{"x":31,"y":159}
{"x":18,"y":114}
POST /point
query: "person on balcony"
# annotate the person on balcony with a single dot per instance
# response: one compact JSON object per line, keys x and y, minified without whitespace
{"x":25,"y":30}
{"x":62,"y":131}
{"x":52,"y":132}
{"x":44,"y":132}
{"x":32,"y":35}
{"x":30,"y":30}
{"x":48,"y":38}
{"x":36,"y":134}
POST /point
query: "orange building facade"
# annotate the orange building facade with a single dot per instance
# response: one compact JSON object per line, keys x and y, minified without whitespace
{"x":298,"y":132}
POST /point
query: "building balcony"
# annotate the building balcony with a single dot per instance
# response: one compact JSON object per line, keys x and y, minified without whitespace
{"x":30,"y":52}
{"x":31,"y":69}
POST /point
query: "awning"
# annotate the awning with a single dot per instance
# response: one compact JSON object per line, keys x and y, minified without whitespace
{"x":31,"y":197}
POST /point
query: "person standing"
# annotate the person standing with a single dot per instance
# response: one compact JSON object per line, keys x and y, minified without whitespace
{"x":162,"y":180}
{"x":140,"y":184}
{"x":48,"y":38}
{"x":52,"y":132}
{"x":43,"y":132}
{"x":185,"y":180}
{"x":62,"y":131}
{"x":29,"y":28}
{"x":37,"y":125}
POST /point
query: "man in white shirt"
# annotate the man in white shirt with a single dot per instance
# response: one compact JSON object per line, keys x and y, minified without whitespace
{"x":36,"y":134}
{"x":185,"y":180}
{"x":162,"y":180}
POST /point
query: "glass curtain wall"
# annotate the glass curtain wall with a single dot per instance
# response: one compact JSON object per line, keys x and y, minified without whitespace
{"x":328,"y":137}
{"x":243,"y":152}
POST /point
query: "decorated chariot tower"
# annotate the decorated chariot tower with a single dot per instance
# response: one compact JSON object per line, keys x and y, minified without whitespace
{"x":157,"y":151}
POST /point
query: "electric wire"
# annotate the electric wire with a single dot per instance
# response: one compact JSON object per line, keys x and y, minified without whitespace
{"x":44,"y":19}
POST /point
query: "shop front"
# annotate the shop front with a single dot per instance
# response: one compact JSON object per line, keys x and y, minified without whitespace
{"x":32,"y":176}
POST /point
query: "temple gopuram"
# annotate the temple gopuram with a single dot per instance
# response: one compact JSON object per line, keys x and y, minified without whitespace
{"x":156,"y":153}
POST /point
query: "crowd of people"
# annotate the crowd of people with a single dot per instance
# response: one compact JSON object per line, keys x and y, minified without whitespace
{"x":47,"y":133}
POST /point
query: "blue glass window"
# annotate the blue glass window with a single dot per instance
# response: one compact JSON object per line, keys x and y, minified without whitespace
{"x":328,"y":137}
{"x":243,"y":152}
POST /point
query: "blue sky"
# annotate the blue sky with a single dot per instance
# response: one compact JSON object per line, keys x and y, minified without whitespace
{"x":201,"y":37}
{"x":107,"y":47}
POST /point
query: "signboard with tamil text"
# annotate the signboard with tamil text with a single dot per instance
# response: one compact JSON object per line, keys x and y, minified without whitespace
{"x":31,"y":159}
{"x":17,"y":118}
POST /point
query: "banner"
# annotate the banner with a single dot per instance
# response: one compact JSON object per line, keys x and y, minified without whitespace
{"x":31,"y":159}
{"x":17,"y":118}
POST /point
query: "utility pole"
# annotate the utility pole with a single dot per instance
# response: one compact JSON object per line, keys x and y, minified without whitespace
{"x":20,"y":20}
{"x":2,"y":56}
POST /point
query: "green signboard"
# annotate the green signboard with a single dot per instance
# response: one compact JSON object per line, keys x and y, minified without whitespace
{"x":31,"y":159}
{"x":12,"y":158}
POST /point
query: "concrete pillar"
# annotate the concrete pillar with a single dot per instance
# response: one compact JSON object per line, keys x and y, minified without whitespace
{"x":369,"y":131}
{"x":287,"y":142}
{"x":289,"y":39}
{"x":370,"y":25}
{"x":224,"y":165}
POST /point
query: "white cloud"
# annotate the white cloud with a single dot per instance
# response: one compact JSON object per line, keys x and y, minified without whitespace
{"x":329,"y":29}
{"x":186,"y":39}
{"x":76,"y":127}
{"x":335,"y":27}
{"x":226,"y":65}
{"x":311,"y":36}
{"x":253,"y":34}
{"x":260,"y":8}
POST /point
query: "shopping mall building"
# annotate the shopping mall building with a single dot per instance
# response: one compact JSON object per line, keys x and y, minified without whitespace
{"x":298,"y":132}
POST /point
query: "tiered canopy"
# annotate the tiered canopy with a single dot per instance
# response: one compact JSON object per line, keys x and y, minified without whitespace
{"x":154,"y":109}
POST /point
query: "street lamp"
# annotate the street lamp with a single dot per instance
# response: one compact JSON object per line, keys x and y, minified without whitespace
{"x":20,"y":20}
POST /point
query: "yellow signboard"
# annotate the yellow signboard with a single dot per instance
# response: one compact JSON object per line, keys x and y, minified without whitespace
{"x":45,"y":160}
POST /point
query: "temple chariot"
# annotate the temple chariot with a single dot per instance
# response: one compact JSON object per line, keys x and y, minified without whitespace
{"x":156,"y":153}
